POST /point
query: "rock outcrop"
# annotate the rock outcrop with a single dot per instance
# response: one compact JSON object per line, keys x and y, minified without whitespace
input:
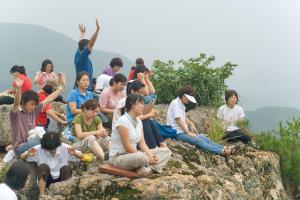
{"x":190,"y":174}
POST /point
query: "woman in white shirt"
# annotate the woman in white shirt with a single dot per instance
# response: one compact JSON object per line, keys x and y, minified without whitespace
{"x":230,"y":114}
{"x":15,"y":179}
{"x":127,"y":134}
{"x":52,"y":158}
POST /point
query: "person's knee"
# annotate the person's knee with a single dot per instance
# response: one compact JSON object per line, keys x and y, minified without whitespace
{"x":142,"y":157}
{"x":91,"y":140}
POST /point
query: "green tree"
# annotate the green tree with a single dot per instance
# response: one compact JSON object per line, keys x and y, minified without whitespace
{"x":208,"y":82}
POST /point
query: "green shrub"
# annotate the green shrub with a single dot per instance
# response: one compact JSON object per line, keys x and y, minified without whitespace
{"x":208,"y":82}
{"x":285,"y":142}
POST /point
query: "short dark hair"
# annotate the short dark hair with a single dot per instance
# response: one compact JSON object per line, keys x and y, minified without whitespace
{"x":135,"y":85}
{"x":15,"y":68}
{"x":50,"y":141}
{"x":133,"y":99}
{"x":139,"y":69}
{"x":90,"y":104}
{"x":94,"y":81}
{"x":30,"y":95}
{"x":22,"y":70}
{"x":48,"y":89}
{"x":80,"y":75}
{"x":116,"y":62}
{"x":17,"y":175}
{"x":187,"y":89}
{"x":118,"y":78}
{"x":230,"y":93}
{"x":45,"y":63}
{"x":82,"y":43}
{"x":139,"y":61}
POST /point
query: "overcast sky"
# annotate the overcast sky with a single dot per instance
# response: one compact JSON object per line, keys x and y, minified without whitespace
{"x":259,"y":34}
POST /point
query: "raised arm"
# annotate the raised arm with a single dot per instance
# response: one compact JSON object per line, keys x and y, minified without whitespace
{"x":82,"y":31}
{"x":53,"y":96}
{"x":94,"y":37}
{"x":17,"y":100}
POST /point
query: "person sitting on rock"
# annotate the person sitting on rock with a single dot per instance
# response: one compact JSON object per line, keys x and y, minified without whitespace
{"x":110,"y":97}
{"x":78,"y":96}
{"x":113,"y":68}
{"x":22,"y":120}
{"x":47,"y":111}
{"x":52,"y":158}
{"x":177,"y":120}
{"x":16,"y":179}
{"x":151,"y":135}
{"x":47,"y":72}
{"x":87,"y":127}
{"x":142,"y":73}
{"x":138,"y":61}
{"x":127,"y":134}
{"x":231,"y":114}
{"x":7,"y":97}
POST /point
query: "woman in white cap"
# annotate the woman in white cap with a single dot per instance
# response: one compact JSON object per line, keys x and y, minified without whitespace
{"x":177,"y":120}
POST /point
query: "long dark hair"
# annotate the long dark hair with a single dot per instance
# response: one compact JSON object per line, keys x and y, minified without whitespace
{"x":45,"y":63}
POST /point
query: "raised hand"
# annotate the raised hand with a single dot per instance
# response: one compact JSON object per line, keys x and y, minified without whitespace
{"x":19,"y":82}
{"x":31,"y":152}
{"x":97,"y":25}
{"x":81,"y":28}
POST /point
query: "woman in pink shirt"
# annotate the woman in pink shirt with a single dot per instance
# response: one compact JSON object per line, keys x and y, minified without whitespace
{"x":45,"y":73}
{"x":110,"y":97}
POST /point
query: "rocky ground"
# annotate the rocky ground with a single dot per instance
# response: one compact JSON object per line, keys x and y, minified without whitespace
{"x":190,"y":174}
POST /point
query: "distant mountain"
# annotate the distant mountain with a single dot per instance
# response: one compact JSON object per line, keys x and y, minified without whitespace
{"x":268,"y":118}
{"x":29,"y":45}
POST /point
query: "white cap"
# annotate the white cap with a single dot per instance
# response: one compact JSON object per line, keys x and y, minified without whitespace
{"x":191,"y":98}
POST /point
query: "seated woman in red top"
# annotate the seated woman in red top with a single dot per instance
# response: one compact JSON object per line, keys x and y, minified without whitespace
{"x":7,"y":97}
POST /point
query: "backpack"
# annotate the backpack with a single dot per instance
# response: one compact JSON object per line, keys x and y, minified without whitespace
{"x":164,"y":130}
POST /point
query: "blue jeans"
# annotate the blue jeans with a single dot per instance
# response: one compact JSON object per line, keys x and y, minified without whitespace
{"x":30,"y":143}
{"x":201,"y":142}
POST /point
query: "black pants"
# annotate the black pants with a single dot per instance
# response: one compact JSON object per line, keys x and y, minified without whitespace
{"x":236,"y":136}
{"x":151,"y":134}
{"x":44,"y":171}
{"x":6,"y":100}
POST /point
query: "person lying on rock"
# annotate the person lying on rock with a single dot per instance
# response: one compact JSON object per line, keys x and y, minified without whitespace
{"x":110,"y":97}
{"x":152,"y":136}
{"x":177,"y":120}
{"x":52,"y":158}
{"x":127,"y":134}
{"x":16,"y":179}
{"x":88,"y":129}
{"x":231,"y":114}
{"x":23,"y":114}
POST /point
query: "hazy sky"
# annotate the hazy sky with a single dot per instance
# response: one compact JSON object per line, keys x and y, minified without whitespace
{"x":262,"y":36}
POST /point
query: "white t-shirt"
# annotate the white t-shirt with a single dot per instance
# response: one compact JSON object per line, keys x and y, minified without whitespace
{"x":102,"y":82}
{"x":61,"y":158}
{"x":7,"y":193}
{"x":134,"y":133}
{"x":230,"y":116}
{"x":176,"y":110}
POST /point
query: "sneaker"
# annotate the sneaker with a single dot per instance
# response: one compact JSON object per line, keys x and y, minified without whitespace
{"x":144,"y":171}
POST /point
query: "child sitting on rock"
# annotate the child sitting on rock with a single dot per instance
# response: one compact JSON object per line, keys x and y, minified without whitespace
{"x":52,"y":158}
{"x":23,"y":114}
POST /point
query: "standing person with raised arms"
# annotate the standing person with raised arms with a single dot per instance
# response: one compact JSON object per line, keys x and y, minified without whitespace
{"x":82,"y":61}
